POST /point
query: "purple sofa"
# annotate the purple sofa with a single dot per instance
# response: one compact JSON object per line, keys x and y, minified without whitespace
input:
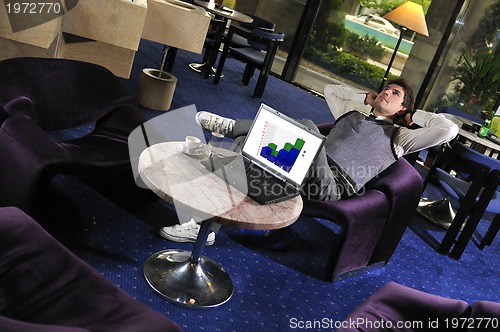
{"x":44,"y":287}
{"x":372,"y":224}
{"x":395,"y":307}
{"x":39,"y":99}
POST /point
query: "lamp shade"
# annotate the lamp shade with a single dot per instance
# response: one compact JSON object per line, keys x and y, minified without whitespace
{"x":409,"y":15}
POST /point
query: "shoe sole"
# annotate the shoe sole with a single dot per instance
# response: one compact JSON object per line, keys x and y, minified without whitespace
{"x":182,"y":239}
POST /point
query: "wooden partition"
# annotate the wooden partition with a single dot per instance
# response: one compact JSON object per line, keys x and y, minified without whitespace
{"x":177,"y":24}
{"x":26,"y":35}
{"x":115,"y":22}
{"x":107,"y":32}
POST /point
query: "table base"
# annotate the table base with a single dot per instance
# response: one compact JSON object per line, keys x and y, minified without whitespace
{"x":439,"y":212}
{"x":202,"y":67}
{"x":198,"y":283}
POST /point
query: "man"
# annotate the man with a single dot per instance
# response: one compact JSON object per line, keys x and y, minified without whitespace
{"x":358,"y":147}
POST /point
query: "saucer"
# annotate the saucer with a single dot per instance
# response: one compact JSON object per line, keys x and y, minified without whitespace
{"x":195,"y":153}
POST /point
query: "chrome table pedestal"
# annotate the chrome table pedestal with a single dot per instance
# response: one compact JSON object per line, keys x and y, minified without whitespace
{"x":188,"y":278}
{"x":202,"y":67}
{"x":439,"y":212}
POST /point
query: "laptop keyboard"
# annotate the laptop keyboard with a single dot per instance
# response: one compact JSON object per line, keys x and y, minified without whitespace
{"x":257,"y":179}
{"x":251,"y":177}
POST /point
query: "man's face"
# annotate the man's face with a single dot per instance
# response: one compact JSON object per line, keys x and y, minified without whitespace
{"x":389,"y":102}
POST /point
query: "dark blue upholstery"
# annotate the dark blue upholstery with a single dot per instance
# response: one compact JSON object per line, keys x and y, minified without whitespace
{"x":472,"y":154}
{"x":476,"y":189}
{"x":257,"y":23}
{"x":457,"y":112}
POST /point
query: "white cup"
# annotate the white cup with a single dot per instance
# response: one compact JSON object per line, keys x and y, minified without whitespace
{"x":192,"y":143}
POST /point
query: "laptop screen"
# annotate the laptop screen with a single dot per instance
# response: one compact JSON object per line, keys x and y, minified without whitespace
{"x":278,"y":143}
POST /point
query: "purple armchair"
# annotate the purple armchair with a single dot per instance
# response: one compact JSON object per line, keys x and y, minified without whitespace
{"x":371,"y":224}
{"x":405,"y":309}
{"x":39,"y":99}
{"x":44,"y":287}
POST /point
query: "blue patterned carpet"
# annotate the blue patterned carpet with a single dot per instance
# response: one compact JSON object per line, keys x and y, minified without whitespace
{"x":114,"y":228}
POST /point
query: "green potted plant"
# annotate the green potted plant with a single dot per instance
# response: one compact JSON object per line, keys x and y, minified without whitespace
{"x":479,"y":76}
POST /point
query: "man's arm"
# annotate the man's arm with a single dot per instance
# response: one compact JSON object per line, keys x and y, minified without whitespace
{"x":341,"y":99}
{"x":435,"y":130}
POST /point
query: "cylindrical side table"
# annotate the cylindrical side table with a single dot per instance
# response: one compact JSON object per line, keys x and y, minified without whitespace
{"x":156,"y":89}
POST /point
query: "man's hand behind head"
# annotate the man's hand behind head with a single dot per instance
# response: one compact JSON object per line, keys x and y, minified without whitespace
{"x":370,"y":98}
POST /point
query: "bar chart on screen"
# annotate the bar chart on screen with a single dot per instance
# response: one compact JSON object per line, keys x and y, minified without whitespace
{"x":280,"y":147}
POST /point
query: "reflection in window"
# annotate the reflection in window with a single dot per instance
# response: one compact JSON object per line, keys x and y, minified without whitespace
{"x":353,"y":44}
{"x":470,"y":76}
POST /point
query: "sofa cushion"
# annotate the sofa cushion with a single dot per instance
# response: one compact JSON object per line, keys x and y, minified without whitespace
{"x":63,"y":93}
{"x":400,"y":308}
{"x":42,"y":282}
{"x":486,"y":309}
{"x":3,"y":114}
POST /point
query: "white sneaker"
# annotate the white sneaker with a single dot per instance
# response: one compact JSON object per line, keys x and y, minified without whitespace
{"x":214,"y":123}
{"x":187,"y":232}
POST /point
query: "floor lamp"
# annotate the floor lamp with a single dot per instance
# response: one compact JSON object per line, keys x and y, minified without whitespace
{"x":410,"y":16}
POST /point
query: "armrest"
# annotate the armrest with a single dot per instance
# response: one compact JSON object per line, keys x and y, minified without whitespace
{"x":362,"y":219}
{"x":238,"y":30}
{"x":25,"y":150}
{"x":402,"y":184}
{"x":397,"y":303}
{"x":485,"y":309}
{"x":20,"y":133}
{"x":399,"y":179}
{"x":45,"y":283}
{"x":19,"y":104}
{"x":3,"y":114}
{"x":324,"y":128}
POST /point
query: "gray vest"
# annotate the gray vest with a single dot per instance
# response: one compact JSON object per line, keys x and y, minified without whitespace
{"x":359,"y":148}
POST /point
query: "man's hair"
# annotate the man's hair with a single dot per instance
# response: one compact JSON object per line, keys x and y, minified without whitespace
{"x":409,"y":99}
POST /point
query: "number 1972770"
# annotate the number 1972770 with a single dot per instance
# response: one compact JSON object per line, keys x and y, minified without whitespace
{"x":33,"y":8}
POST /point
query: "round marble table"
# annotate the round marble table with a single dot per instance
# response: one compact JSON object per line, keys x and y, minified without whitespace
{"x":223,"y":11}
{"x":189,"y":278}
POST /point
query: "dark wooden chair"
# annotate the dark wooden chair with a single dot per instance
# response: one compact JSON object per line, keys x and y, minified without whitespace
{"x":259,"y":55}
{"x":238,"y":40}
{"x":474,"y":184}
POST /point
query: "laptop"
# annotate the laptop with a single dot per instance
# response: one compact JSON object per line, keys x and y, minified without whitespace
{"x":275,"y":158}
